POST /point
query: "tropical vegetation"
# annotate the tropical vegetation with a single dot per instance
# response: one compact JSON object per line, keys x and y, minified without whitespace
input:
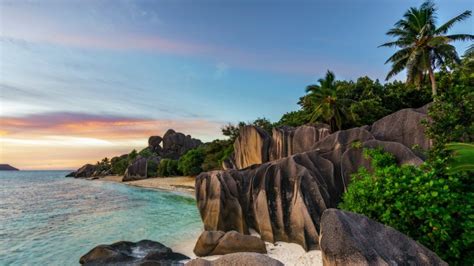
{"x":424,"y":47}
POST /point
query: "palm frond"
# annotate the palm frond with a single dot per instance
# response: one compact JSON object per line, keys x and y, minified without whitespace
{"x":463,"y":157}
{"x":443,"y":29}
{"x":461,"y":37}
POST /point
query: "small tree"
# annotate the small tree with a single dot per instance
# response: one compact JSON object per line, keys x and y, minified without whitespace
{"x":191,"y":162}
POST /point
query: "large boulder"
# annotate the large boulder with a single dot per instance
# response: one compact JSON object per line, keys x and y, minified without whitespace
{"x":137,"y":170}
{"x":333,"y":147}
{"x":251,"y":147}
{"x":154,"y":144}
{"x":353,"y":158}
{"x":282,"y":200}
{"x":405,"y":127}
{"x":221,"y":243}
{"x":287,"y":141}
{"x":144,"y":252}
{"x":237,"y":259}
{"x":86,"y":171}
{"x":176,"y":144}
{"x":352,"y":239}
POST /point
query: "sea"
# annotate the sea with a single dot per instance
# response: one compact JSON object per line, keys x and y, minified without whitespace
{"x":48,"y":219}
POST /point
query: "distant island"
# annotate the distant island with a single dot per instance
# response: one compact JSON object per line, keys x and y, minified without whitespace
{"x":7,"y":167}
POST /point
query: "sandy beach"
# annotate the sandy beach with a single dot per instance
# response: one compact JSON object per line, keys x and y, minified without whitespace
{"x":182,"y":184}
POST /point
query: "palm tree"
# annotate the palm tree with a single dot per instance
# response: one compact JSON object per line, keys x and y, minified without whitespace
{"x":423,"y":46}
{"x":323,"y":102}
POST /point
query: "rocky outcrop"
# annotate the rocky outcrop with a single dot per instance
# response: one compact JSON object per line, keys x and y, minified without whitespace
{"x":222,"y":243}
{"x":353,"y":239}
{"x":154,"y":144}
{"x":137,"y":170}
{"x":176,"y":144}
{"x":405,"y":127}
{"x":282,"y":200}
{"x":145,"y":252}
{"x":85,"y":171}
{"x":237,"y":259}
{"x":287,"y":141}
{"x":251,"y":147}
{"x":7,"y":167}
{"x":353,"y":158}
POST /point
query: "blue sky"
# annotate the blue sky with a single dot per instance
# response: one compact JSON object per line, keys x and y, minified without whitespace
{"x":195,"y":65}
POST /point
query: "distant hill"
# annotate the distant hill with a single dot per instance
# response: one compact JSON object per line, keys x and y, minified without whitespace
{"x":7,"y":167}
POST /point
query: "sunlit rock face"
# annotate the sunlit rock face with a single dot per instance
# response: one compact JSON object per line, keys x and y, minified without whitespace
{"x":284,"y":199}
{"x":255,"y":146}
{"x":251,"y":147}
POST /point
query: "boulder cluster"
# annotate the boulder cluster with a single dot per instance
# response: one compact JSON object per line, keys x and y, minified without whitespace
{"x":281,"y":185}
{"x":171,"y":146}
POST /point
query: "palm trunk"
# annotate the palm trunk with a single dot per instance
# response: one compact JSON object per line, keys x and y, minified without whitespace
{"x":433,"y":81}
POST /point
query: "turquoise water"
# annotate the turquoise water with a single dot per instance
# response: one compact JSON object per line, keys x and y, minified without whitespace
{"x":47,"y":219}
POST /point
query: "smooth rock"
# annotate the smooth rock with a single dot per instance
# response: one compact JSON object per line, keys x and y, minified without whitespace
{"x":137,"y":170}
{"x":154,"y":144}
{"x":145,"y":252}
{"x":176,"y":144}
{"x":405,"y":127}
{"x":353,"y":158}
{"x":352,"y":239}
{"x":86,"y":171}
{"x":221,"y":243}
{"x":237,"y":259}
{"x":251,"y":147}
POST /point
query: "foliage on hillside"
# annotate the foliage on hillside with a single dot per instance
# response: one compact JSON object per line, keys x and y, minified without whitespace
{"x":429,"y":206}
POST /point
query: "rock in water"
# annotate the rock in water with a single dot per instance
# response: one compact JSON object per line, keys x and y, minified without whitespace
{"x":238,"y":259}
{"x":221,"y":243}
{"x":145,"y":252}
{"x":404,"y":127}
{"x":7,"y":167}
{"x":352,"y":239}
{"x":251,"y":147}
{"x":86,"y":171}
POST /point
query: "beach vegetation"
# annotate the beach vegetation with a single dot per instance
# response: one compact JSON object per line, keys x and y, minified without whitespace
{"x":168,"y":167}
{"x":190,"y":164}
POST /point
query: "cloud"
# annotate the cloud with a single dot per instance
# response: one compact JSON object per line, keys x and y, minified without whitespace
{"x":102,"y":126}
{"x":67,"y":140}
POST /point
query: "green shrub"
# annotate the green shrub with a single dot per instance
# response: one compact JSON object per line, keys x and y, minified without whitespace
{"x":191,"y":162}
{"x":168,"y":167}
{"x":146,"y":153}
{"x":434,"y":209}
{"x":119,"y":165}
{"x":152,"y":168}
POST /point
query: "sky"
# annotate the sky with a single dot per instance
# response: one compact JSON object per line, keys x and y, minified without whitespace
{"x":82,"y":80}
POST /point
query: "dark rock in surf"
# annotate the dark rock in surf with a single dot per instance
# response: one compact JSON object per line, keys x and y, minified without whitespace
{"x":144,"y":252}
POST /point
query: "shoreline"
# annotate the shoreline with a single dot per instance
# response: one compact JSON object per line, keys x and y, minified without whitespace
{"x":179,"y":184}
{"x":287,"y":253}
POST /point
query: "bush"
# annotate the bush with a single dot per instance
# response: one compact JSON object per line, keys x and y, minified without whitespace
{"x":152,"y":168}
{"x":146,"y":153}
{"x":433,"y":209}
{"x":191,"y":162}
{"x":168,"y":167}
{"x":119,"y":165}
{"x":215,"y":152}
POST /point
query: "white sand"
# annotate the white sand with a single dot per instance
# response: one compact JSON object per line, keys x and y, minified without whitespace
{"x":288,"y":253}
